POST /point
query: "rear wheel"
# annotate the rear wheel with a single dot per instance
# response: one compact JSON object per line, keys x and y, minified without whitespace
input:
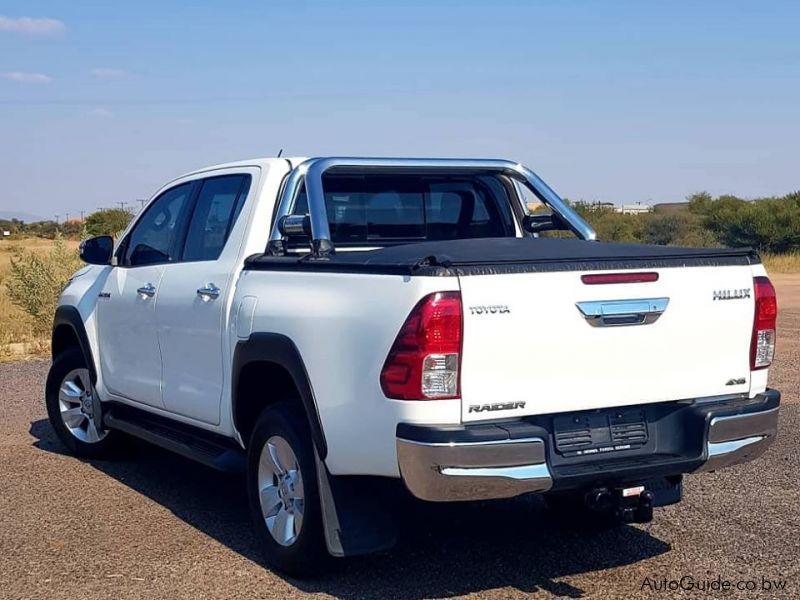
{"x":72,"y":402}
{"x":283,"y":493}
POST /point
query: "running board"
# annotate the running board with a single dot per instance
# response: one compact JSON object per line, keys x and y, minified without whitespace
{"x":210,"y":449}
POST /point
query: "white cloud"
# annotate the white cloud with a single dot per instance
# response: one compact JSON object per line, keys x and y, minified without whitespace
{"x":26,"y":77}
{"x":33,"y":26}
{"x":107,"y":72}
{"x":101,"y":112}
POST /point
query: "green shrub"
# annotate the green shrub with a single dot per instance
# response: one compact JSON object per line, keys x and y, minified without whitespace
{"x":107,"y":222}
{"x":36,"y":280}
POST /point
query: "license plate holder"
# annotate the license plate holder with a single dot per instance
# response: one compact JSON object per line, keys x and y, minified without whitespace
{"x":599,"y":432}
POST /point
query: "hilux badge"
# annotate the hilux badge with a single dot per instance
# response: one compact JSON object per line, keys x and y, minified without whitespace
{"x":737,"y":294}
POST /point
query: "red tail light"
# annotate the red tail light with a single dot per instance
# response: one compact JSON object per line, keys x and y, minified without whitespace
{"x":762,"y":346}
{"x":425,"y":358}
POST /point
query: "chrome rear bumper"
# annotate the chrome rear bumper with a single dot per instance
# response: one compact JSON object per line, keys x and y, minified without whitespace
{"x":736,"y":439}
{"x":442,"y":472}
{"x":449,"y":464}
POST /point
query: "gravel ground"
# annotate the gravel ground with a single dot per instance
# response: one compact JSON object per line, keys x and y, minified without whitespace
{"x":153,"y":525}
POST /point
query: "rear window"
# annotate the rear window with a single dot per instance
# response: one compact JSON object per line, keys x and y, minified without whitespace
{"x":377,"y":210}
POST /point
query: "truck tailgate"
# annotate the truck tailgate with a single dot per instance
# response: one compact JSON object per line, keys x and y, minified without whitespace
{"x":529,"y":349}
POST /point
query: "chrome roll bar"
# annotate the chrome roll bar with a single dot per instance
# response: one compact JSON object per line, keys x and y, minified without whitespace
{"x":311,"y":171}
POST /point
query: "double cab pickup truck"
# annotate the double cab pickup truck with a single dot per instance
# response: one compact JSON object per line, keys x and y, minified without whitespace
{"x":346,"y":329}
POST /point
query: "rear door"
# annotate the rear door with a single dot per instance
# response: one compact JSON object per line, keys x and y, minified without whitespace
{"x":194,"y":297}
{"x":130,"y":356}
{"x":538,"y":343}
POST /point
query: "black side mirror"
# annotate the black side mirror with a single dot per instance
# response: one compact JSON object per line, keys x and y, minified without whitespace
{"x":97,"y":250}
{"x":543,"y":222}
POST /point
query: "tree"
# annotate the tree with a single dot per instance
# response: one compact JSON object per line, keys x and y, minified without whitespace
{"x":107,"y":222}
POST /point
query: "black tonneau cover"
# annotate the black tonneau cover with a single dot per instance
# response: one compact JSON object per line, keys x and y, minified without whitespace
{"x":485,"y":256}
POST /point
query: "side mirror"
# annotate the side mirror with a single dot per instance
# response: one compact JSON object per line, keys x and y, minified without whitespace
{"x":97,"y":250}
{"x":543,"y":222}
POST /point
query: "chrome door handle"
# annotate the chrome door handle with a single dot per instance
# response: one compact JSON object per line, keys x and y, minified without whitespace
{"x":208,"y":292}
{"x":147,"y":291}
{"x":616,"y":313}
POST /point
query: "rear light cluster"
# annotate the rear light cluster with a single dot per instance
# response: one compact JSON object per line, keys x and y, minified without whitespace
{"x":424,"y":360}
{"x":762,"y":347}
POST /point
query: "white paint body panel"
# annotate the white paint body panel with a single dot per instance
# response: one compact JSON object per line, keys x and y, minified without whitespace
{"x":545,"y":353}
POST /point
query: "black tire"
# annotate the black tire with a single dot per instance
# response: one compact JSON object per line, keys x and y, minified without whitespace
{"x":307,"y":556}
{"x":63,"y":364}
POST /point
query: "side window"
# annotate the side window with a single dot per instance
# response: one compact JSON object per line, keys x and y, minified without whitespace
{"x":154,"y":238}
{"x":218,"y":204}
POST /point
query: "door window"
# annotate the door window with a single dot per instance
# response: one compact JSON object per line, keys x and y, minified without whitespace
{"x":154,"y":238}
{"x":218,"y":204}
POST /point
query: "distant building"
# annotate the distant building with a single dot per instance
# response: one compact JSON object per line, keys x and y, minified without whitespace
{"x":6,"y":233}
{"x":633,"y":209}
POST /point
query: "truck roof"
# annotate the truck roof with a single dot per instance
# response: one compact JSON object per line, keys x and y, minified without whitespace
{"x":252,"y":162}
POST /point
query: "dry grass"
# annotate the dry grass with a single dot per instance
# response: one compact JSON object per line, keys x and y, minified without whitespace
{"x":781,"y":263}
{"x":17,"y":339}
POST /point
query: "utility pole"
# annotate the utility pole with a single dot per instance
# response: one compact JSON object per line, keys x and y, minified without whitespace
{"x":122,"y":205}
{"x":141,"y":201}
{"x":57,"y":219}
{"x":82,"y":215}
{"x":66,"y":218}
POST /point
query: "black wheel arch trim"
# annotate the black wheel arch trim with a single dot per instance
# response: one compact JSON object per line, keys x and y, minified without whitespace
{"x":280,"y":350}
{"x":69,"y":316}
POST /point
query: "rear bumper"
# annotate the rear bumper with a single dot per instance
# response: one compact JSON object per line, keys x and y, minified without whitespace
{"x":506,"y":459}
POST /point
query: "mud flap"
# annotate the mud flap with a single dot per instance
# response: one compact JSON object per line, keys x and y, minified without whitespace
{"x":355,"y":518}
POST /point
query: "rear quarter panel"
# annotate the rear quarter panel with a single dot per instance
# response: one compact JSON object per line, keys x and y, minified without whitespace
{"x":344,"y":325}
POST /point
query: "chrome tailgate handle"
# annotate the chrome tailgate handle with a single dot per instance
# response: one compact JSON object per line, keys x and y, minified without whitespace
{"x":618,"y":313}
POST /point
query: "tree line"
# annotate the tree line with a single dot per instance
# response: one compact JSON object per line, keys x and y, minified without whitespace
{"x":766,"y":224}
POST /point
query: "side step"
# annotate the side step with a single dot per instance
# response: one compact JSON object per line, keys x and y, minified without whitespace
{"x":210,"y":449}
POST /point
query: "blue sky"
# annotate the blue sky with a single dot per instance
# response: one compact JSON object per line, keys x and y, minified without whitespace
{"x":101,"y":102}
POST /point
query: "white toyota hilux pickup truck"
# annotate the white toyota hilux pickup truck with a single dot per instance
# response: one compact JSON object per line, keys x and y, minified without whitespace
{"x":343,"y":328}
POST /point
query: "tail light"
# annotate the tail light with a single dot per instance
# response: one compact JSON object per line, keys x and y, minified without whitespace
{"x":762,"y":347}
{"x":424,"y":360}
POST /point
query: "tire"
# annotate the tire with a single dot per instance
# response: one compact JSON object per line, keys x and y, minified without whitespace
{"x":70,"y":407}
{"x":290,"y":532}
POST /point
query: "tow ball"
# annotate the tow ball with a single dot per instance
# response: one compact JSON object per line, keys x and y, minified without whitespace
{"x":629,"y":504}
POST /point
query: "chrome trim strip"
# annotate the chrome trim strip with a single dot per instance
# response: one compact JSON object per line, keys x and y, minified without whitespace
{"x":311,"y":171}
{"x":621,"y":313}
{"x":521,"y":472}
{"x":719,"y":448}
{"x":505,"y":442}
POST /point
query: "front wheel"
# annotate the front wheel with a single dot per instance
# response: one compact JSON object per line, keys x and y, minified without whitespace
{"x":72,"y":404}
{"x":283,"y":493}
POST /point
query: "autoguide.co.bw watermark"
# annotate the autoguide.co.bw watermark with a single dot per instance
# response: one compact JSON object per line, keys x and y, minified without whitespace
{"x":688,"y":583}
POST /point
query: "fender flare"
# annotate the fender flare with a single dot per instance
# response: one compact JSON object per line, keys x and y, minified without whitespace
{"x":280,"y":350}
{"x":69,"y":316}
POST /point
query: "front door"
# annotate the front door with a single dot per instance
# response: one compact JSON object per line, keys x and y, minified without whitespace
{"x":130,"y":354}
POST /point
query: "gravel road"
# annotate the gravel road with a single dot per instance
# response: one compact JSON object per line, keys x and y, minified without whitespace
{"x":153,"y":525}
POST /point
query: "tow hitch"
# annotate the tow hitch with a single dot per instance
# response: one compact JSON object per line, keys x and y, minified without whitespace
{"x":630,"y":505}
